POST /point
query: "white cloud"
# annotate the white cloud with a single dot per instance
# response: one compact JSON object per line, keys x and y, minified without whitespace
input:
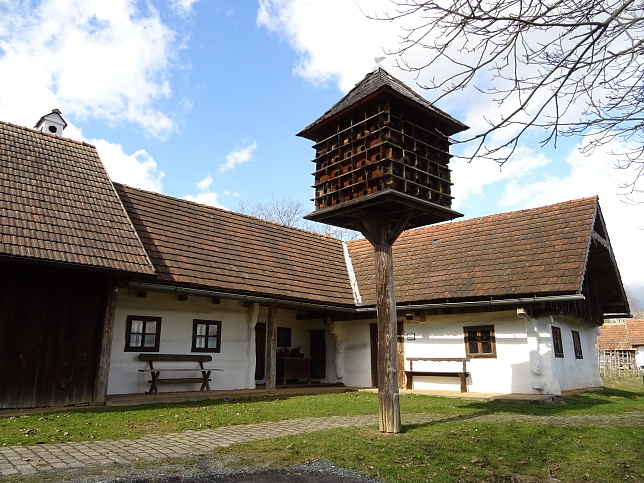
{"x":182,"y":7}
{"x":89,"y":58}
{"x":205,"y":183}
{"x":470,"y":178}
{"x":238,"y":157}
{"x":138,"y":169}
{"x":206,"y":198}
{"x":334,"y":39}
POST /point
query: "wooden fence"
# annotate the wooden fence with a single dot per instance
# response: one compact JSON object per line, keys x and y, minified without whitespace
{"x":618,"y":364}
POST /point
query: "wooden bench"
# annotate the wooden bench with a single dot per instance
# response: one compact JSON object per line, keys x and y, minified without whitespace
{"x":462,"y":375}
{"x":155,"y":372}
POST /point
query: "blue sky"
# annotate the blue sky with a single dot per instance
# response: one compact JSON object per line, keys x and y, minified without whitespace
{"x":202,"y":100}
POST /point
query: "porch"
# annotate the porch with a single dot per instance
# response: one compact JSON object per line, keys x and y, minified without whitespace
{"x":301,"y":390}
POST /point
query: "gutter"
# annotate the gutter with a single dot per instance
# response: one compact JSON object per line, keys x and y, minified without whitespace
{"x":152,"y":287}
{"x":484,"y":303}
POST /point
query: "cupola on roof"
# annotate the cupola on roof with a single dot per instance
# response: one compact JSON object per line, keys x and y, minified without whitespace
{"x":52,"y":123}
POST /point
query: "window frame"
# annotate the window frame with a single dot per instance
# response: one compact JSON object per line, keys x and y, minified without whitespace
{"x":479,"y":341}
{"x":208,"y":324}
{"x":576,"y":344}
{"x":128,"y":333}
{"x":557,"y":342}
{"x":283,"y":337}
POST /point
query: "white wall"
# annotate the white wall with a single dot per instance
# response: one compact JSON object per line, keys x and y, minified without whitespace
{"x":443,"y":336}
{"x":572,"y":373}
{"x":524,"y":360}
{"x":237,"y":356}
{"x":353,"y":352}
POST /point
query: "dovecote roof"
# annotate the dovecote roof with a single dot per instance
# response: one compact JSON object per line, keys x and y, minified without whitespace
{"x":377,"y":82}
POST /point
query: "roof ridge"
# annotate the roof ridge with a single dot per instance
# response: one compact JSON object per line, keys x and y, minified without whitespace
{"x":223,"y":210}
{"x":521,"y":210}
{"x":452,"y":223}
{"x":43,"y":133}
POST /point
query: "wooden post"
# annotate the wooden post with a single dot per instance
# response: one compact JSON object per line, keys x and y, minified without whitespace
{"x":388,"y":397}
{"x":382,"y":233}
{"x":105,"y":356}
{"x":270,"y":373}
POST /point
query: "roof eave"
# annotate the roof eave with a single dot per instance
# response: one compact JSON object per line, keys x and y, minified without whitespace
{"x":147,"y":273}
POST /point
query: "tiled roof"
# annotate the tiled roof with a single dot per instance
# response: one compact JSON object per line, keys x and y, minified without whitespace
{"x":522,"y":253}
{"x":621,"y":336}
{"x":197,"y":245}
{"x":374,"y":82}
{"x":57,"y":204}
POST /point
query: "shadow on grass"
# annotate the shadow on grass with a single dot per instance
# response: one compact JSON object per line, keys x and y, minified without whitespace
{"x":214,"y":402}
{"x":448,"y":419}
{"x":606,"y":401}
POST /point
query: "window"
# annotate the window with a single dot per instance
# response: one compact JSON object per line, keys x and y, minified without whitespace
{"x":576,"y":342}
{"x":283,"y":337}
{"x":206,"y":335}
{"x":142,"y":333}
{"x":480,"y":341}
{"x":557,"y":345}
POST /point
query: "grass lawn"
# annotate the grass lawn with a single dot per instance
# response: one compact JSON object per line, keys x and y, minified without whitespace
{"x":449,"y":450}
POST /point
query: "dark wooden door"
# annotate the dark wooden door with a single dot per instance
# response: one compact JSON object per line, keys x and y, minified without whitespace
{"x":51,"y":324}
{"x":260,"y":350}
{"x":318,"y":354}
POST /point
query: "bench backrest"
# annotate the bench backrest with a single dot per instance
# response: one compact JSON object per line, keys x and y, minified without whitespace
{"x":175,"y":357}
{"x":443,"y":362}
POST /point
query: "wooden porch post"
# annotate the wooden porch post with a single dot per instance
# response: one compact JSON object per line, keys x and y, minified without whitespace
{"x":103,"y":369}
{"x":270,"y":372}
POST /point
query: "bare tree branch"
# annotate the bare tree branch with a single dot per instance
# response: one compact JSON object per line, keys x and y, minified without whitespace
{"x":289,"y":212}
{"x":567,"y":67}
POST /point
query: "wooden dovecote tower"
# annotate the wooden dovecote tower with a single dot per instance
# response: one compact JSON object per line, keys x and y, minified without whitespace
{"x":381,"y":167}
{"x":382,"y":149}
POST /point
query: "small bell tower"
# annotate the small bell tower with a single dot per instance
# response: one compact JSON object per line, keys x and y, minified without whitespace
{"x":52,"y":123}
{"x":381,"y":167}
